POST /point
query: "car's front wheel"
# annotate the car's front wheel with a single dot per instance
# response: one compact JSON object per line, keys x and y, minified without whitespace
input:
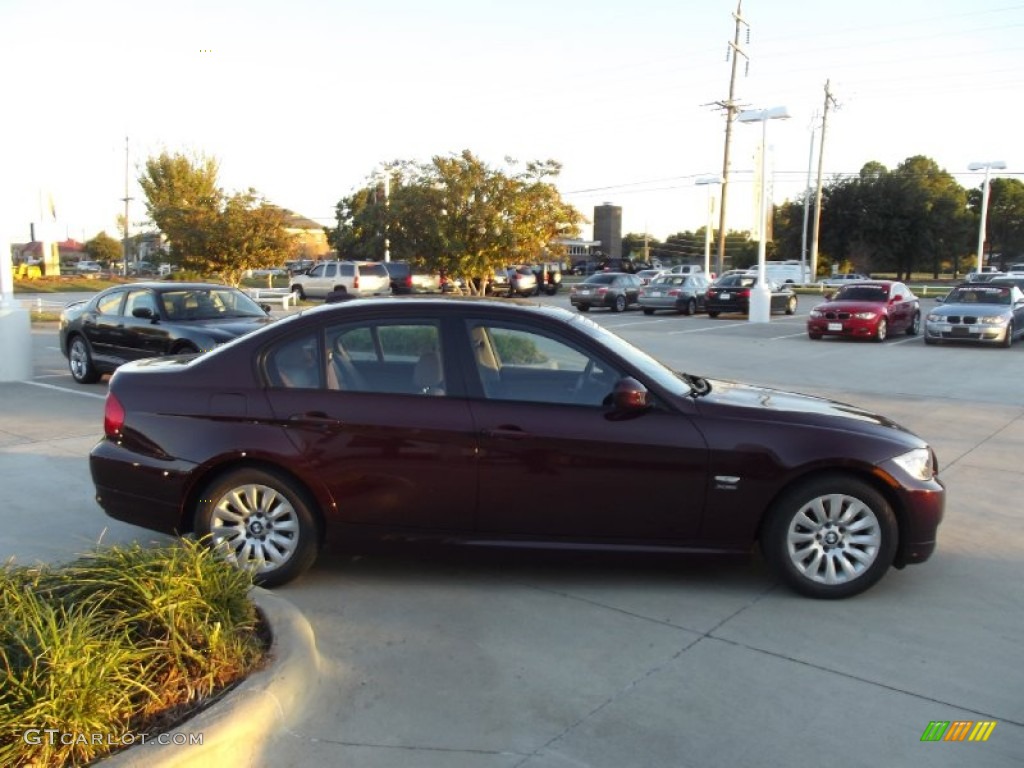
{"x":83,"y":369}
{"x":882,"y":330}
{"x":261,"y":522}
{"x":830,"y":537}
{"x":1008,"y":341}
{"x":620,"y":304}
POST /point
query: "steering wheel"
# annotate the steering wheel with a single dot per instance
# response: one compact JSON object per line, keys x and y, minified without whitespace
{"x":582,"y":379}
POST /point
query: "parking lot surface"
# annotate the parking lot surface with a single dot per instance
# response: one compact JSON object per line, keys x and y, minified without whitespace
{"x":514,"y":659}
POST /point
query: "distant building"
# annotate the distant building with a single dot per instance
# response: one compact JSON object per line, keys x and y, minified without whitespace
{"x":608,"y":229}
{"x":309,"y":238}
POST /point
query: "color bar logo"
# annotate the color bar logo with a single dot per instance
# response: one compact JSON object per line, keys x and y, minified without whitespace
{"x":958,"y":730}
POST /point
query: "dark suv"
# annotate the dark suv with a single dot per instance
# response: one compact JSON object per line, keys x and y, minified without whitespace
{"x":407,"y":278}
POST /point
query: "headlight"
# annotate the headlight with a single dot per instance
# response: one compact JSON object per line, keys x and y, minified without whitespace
{"x":994,"y":320}
{"x":816,"y":313}
{"x":865,"y":315}
{"x":916,"y":463}
{"x":933,"y":318}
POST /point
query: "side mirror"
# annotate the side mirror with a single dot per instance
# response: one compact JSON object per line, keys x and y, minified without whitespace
{"x":897,"y":297}
{"x":629,"y":395}
{"x":143,"y":312}
{"x":265,"y":308}
{"x":939,"y":299}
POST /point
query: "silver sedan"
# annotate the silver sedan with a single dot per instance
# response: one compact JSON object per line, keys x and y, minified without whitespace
{"x":985,"y":313}
{"x":679,"y":293}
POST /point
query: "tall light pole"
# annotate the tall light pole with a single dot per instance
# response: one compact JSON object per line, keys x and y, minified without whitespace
{"x":988,"y":166}
{"x":761,"y":295}
{"x":708,"y":181}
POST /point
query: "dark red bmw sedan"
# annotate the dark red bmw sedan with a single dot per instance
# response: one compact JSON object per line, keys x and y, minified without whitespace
{"x":867,"y":310}
{"x":424,"y":418}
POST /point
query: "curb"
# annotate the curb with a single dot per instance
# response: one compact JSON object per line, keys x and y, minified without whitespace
{"x":235,"y":729}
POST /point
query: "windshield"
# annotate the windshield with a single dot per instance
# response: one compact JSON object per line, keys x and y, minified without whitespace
{"x":861,"y":293}
{"x":980,"y":295}
{"x":208,"y":304}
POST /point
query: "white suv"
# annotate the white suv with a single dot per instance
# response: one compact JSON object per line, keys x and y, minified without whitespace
{"x":356,"y":278}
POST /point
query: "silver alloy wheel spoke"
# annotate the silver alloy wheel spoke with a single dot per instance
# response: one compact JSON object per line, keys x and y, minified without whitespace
{"x":833,"y":539}
{"x":255,"y":526}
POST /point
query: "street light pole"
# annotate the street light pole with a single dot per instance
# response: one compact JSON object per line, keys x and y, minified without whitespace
{"x":708,"y":181}
{"x":988,"y":166}
{"x":761,"y":296}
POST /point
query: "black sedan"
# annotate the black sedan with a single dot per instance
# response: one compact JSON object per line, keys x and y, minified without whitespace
{"x":616,"y":290}
{"x":425,"y":419}
{"x":731,"y":293}
{"x":130,"y":322}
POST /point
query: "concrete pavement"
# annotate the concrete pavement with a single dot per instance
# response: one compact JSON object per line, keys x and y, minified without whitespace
{"x":511,"y":659}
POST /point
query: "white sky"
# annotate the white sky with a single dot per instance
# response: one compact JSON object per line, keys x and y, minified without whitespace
{"x":303,"y":99}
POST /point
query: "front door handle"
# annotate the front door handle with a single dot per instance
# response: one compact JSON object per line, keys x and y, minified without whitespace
{"x":505,"y":433}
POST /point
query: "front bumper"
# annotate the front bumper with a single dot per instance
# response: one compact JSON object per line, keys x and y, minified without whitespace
{"x":976,"y":332}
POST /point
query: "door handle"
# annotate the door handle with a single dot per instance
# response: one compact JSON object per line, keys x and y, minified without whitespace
{"x":315,"y":417}
{"x":505,"y":433}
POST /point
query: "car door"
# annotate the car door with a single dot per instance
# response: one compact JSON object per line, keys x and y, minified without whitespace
{"x":555,"y":461}
{"x":901,"y":307}
{"x":102,"y":326}
{"x":142,"y":336}
{"x":369,"y":407}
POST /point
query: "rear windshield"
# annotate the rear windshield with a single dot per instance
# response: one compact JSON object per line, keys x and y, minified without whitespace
{"x":377,"y":270}
{"x":397,"y":268}
{"x":604,"y":279}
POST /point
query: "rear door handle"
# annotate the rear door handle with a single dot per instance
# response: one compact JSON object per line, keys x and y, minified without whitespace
{"x":315,"y":417}
{"x":505,"y":433}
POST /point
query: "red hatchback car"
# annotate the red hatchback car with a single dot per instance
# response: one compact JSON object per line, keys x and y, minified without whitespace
{"x":426,"y":418}
{"x":867,"y":310}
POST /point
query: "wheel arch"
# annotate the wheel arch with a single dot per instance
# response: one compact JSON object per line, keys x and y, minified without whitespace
{"x":865,"y":474}
{"x":215,"y":472}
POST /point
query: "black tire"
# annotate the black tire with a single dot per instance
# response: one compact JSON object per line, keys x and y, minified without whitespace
{"x":185,"y":348}
{"x":583,"y":307}
{"x":551,"y":290}
{"x":648,"y":311}
{"x":930,"y":341}
{"x":1008,"y":341}
{"x":339,"y":289}
{"x":83,"y":369}
{"x":791,"y":306}
{"x":298,"y":292}
{"x":620,"y":304}
{"x":915,"y":325}
{"x":691,"y":307}
{"x":882,"y":331}
{"x":712,"y":314}
{"x":807,"y":537}
{"x":232,"y":506}
{"x":814,"y":336}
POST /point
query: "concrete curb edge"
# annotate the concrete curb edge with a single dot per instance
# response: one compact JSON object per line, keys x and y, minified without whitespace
{"x":236,"y":727}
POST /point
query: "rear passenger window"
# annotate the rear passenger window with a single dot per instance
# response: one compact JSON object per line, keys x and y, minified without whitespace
{"x":295,"y":363}
{"x":397,"y":358}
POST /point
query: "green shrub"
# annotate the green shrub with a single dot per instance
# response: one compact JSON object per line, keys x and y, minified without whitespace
{"x":121,"y":641}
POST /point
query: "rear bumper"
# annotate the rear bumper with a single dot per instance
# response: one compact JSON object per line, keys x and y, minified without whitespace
{"x":139,"y":489}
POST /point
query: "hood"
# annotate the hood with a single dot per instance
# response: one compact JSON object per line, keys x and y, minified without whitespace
{"x":231,"y":328}
{"x":851,"y":306}
{"x":974,"y":309}
{"x":794,"y":408}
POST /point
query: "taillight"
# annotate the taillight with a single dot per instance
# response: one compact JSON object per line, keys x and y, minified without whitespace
{"x":674,"y":292}
{"x":355,"y":282}
{"x":602,"y":291}
{"x":745,"y":293}
{"x":408,"y":281}
{"x":113,"y":416}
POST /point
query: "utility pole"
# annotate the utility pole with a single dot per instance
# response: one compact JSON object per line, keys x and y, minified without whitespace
{"x":807,"y":202}
{"x":731,"y":109}
{"x":126,"y":200}
{"x":829,"y":101}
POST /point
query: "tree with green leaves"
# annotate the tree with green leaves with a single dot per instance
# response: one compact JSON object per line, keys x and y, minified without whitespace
{"x":103,"y":248}
{"x":1005,"y":222}
{"x":210,"y":231}
{"x":459,"y":216}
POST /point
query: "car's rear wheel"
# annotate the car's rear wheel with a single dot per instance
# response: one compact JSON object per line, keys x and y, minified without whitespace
{"x":915,"y":325}
{"x":712,"y":314}
{"x":620,"y":304}
{"x":83,"y":369}
{"x":830,"y":537}
{"x":583,"y":307}
{"x":882,"y":330}
{"x":691,"y":307}
{"x":261,"y":522}
{"x":791,"y":306}
{"x":648,"y":311}
{"x":298,"y":293}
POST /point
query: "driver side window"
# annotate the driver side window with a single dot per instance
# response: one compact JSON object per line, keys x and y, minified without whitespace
{"x":524,"y":364}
